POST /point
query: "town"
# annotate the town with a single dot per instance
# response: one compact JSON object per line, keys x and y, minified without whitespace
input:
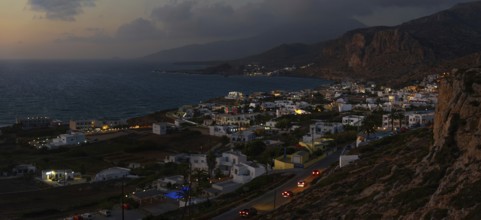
{"x":203,"y":160}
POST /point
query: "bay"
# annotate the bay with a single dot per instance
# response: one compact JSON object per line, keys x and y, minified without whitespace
{"x":67,"y":90}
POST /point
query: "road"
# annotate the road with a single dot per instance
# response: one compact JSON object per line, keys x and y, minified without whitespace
{"x":273,"y":199}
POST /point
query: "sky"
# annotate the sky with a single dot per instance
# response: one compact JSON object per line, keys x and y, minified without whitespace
{"x":103,"y":29}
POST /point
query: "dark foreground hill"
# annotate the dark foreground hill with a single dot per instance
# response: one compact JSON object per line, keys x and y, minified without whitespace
{"x":422,"y":174}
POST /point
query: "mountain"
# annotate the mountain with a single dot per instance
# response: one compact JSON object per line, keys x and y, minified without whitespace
{"x":391,"y":54}
{"x":422,"y":174}
{"x":235,"y":49}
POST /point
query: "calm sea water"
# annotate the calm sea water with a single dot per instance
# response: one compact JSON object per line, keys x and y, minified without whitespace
{"x":94,"y":89}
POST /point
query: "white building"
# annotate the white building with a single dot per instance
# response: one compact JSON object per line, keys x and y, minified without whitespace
{"x":347,"y":159}
{"x":111,"y":174}
{"x":159,"y":128}
{"x":220,"y":130}
{"x":84,"y":125}
{"x":242,"y":137}
{"x":344,"y":107}
{"x":352,"y":120}
{"x":245,"y":172}
{"x":23,"y":169}
{"x":234,"y":95}
{"x":56,"y":175}
{"x":387,"y":122}
{"x":228,"y":159}
{"x":34,"y":122}
{"x":72,"y":139}
{"x":416,"y":119}
{"x":271,"y":124}
{"x":163,"y":183}
{"x":198,"y":162}
{"x":239,"y":120}
{"x":321,"y":128}
{"x":177,"y":158}
{"x":92,"y":124}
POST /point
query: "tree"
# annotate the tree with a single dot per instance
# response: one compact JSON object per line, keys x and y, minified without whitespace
{"x":400,"y":117}
{"x":211,"y":162}
{"x":369,"y":125}
{"x":392,"y":116}
{"x":255,"y":148}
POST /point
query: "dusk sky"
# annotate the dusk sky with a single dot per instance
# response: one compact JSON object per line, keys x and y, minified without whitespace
{"x":89,"y":29}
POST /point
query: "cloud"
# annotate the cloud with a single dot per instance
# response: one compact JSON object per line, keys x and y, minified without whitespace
{"x":221,"y":19}
{"x":139,"y":29}
{"x":195,"y":21}
{"x":63,"y":10}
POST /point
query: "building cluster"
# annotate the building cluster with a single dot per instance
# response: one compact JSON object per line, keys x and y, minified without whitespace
{"x":233,"y":164}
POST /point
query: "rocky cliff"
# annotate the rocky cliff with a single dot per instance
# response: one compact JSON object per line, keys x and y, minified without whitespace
{"x":423,"y":174}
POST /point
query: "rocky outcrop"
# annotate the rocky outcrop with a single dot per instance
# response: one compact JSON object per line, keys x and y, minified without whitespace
{"x":457,"y":144}
{"x":423,"y":174}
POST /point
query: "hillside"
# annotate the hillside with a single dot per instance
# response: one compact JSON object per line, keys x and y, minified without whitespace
{"x":410,"y":176}
{"x":393,"y":55}
{"x":238,"y":48}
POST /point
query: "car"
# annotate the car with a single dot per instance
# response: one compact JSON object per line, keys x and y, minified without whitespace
{"x":248,"y":212}
{"x":316,"y":172}
{"x":287,"y":194}
{"x":301,"y":184}
{"x":126,"y":206}
{"x":105,"y":212}
{"x":87,"y":216}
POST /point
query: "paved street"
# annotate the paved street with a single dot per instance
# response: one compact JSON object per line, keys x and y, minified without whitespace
{"x":266,"y":202}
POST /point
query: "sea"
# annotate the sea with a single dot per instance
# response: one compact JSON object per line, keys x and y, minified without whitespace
{"x":67,"y":89}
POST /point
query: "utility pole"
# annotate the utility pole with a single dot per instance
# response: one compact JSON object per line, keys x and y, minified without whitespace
{"x":122,"y":198}
{"x":275,"y":194}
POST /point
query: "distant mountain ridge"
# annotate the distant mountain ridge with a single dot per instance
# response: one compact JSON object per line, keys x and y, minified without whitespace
{"x":236,"y":49}
{"x":390,"y":54}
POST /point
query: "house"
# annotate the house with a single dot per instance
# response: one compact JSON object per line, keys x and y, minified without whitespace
{"x":243,"y":137}
{"x":147,"y":196}
{"x":111,"y":174}
{"x":159,"y":128}
{"x":417,"y":119}
{"x":352,"y":120}
{"x":72,"y":139}
{"x":245,"y":172}
{"x":177,"y":158}
{"x":271,"y":124}
{"x":300,"y":157}
{"x":242,"y":120}
{"x":93,"y":124}
{"x":222,"y":187}
{"x":321,"y":128}
{"x":84,"y":125}
{"x":23,"y":169}
{"x":344,"y":107}
{"x":222,"y":130}
{"x":106,"y":123}
{"x":135,"y":165}
{"x":198,"y":162}
{"x":387,"y":122}
{"x":34,"y":122}
{"x":162,"y":184}
{"x":234,"y":95}
{"x":228,"y":159}
{"x":347,"y":159}
{"x":56,"y":175}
